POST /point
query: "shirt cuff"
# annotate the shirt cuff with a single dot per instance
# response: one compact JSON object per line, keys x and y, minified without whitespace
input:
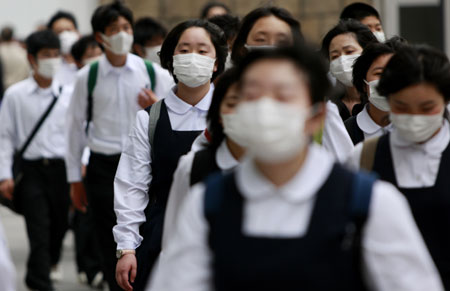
{"x":5,"y":173}
{"x":74,"y":174}
{"x":127,"y":245}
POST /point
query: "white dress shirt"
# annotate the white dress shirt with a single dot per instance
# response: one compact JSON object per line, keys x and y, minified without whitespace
{"x":7,"y":270}
{"x":395,"y":256}
{"x":415,"y":165}
{"x":335,"y":138}
{"x":134,"y":173}
{"x":368,"y":126}
{"x":23,"y":105}
{"x":115,"y":104}
{"x":67,"y":73}
{"x":182,"y":183}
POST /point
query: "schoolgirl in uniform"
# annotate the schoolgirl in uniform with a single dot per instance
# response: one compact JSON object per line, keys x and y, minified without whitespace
{"x":221,"y":153}
{"x":415,"y":156}
{"x":288,"y":218}
{"x":373,"y":120}
{"x":194,"y":52}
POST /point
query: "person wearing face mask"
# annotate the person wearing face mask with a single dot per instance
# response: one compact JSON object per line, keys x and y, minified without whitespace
{"x":86,"y":51}
{"x":415,"y":155}
{"x":221,"y":152}
{"x":287,"y":211}
{"x":148,"y":38}
{"x":265,"y":28}
{"x":194,"y":52}
{"x":106,"y":98}
{"x":367,"y":15}
{"x":230,"y":26}
{"x":40,"y":192}
{"x":65,"y":26}
{"x":373,"y":120}
{"x":342,"y":45}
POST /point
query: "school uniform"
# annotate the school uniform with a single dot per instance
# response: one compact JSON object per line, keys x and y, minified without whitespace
{"x":115,"y":104}
{"x":193,"y":168}
{"x":420,"y":172}
{"x":7,"y":270}
{"x":144,"y":176}
{"x":362,"y":127}
{"x":43,"y":192}
{"x":67,"y":73}
{"x":335,"y":138}
{"x":269,"y":238}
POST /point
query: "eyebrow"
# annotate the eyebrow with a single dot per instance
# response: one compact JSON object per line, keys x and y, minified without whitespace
{"x":429,"y":102}
{"x":349,"y":46}
{"x":188,"y":43}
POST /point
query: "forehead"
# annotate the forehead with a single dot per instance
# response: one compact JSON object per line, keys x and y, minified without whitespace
{"x":63,"y":23}
{"x":119,"y":21}
{"x":381,"y":61}
{"x":370,"y":20}
{"x":272,"y":70}
{"x":270,"y":24}
{"x":195,"y":35}
{"x":343,"y":40}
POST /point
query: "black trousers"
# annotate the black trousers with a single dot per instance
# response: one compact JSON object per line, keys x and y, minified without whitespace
{"x":100,"y":191}
{"x":45,"y":200}
{"x":86,"y":244}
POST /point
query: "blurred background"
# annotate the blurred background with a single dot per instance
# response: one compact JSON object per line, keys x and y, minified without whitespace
{"x":417,"y":20}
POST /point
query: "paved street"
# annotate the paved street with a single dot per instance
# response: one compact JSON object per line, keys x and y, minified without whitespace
{"x":14,"y":226}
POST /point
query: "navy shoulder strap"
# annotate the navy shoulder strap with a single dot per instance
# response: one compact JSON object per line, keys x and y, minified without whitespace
{"x":356,"y":134}
{"x":214,"y":193}
{"x":361,"y":196}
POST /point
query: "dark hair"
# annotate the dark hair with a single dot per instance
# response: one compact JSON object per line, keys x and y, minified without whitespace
{"x":249,"y":20}
{"x":413,"y":65}
{"x":215,"y":128}
{"x":171,"y":41}
{"x":146,"y":28}
{"x":306,"y":59}
{"x":359,"y":11}
{"x":62,"y":15}
{"x":106,"y":14}
{"x":41,"y":40}
{"x":210,"y":5}
{"x":228,"y":23}
{"x":396,"y":42}
{"x":363,"y":63}
{"x":79,"y":48}
{"x":361,"y":32}
{"x":7,"y":33}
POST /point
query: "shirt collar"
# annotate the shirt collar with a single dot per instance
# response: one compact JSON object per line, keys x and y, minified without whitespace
{"x":35,"y":89}
{"x":435,"y":146}
{"x":106,"y":67}
{"x":366,"y":123}
{"x":303,"y":186}
{"x":175,"y":104}
{"x":224,"y":158}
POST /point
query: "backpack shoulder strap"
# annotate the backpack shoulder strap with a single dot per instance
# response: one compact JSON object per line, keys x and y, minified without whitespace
{"x":361,"y":196}
{"x":151,"y":73}
{"x":92,"y":80}
{"x":214,"y":193}
{"x":154,"y":113}
{"x":204,"y":163}
{"x":368,"y":153}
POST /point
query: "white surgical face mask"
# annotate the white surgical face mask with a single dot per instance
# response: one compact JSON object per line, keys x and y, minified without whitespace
{"x":67,"y":39}
{"x":416,"y":127}
{"x":89,"y":61}
{"x":342,"y":69}
{"x":47,"y":68}
{"x":270,"y":130}
{"x":381,"y":37}
{"x":259,"y":47}
{"x":228,"y":62}
{"x":193,"y":70}
{"x":119,"y":43}
{"x":375,"y":99}
{"x":151,"y":54}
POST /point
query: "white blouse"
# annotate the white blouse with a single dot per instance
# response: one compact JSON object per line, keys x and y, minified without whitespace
{"x":394,"y":253}
{"x":368,"y":126}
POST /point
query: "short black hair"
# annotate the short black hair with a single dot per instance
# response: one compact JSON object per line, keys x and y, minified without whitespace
{"x":217,"y":38}
{"x":146,"y":28}
{"x":413,"y":65}
{"x":106,"y":14}
{"x":305,"y":58}
{"x":62,"y":15}
{"x":7,"y":33}
{"x":249,"y":20}
{"x":210,"y":5}
{"x":396,"y":42}
{"x":41,"y":40}
{"x":228,"y":23}
{"x":79,"y":48}
{"x":359,"y":11}
{"x":215,"y":128}
{"x":363,"y":63}
{"x":361,"y":32}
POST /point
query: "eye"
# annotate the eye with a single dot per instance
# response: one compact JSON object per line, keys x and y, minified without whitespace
{"x":184,"y":51}
{"x":260,"y":40}
{"x":203,"y":52}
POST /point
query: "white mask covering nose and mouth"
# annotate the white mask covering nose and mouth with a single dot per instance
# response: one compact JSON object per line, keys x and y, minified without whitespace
{"x":119,"y":43}
{"x":193,"y":69}
{"x":48,"y":67}
{"x":270,"y":130}
{"x":342,"y":69}
{"x":151,"y":54}
{"x":380,"y":36}
{"x":67,"y":39}
{"x":375,"y":99}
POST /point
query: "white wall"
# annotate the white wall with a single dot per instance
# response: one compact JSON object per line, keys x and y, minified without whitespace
{"x":26,"y":15}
